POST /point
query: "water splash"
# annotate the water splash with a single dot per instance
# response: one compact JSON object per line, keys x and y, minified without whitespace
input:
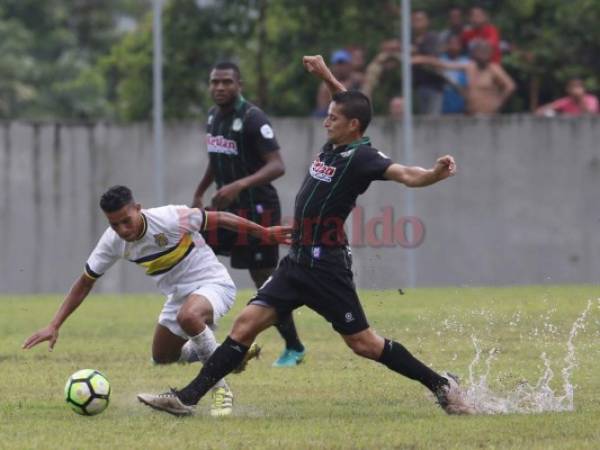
{"x":525,"y":398}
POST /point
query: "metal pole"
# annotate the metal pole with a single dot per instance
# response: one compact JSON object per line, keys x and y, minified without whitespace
{"x":157,"y":88}
{"x":407,"y":127}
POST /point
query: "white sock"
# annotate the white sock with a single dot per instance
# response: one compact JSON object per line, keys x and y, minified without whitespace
{"x":204,"y":344}
{"x":188,"y":353}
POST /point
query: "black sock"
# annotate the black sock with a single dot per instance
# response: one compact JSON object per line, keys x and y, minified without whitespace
{"x":287,"y":330}
{"x":226,"y":357}
{"x":398,"y":359}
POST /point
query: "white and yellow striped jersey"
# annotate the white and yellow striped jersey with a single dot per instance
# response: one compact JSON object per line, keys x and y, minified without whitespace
{"x":171,"y":250}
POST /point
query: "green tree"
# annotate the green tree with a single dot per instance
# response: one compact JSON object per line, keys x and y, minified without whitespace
{"x":49,"y":52}
{"x":194,"y":37}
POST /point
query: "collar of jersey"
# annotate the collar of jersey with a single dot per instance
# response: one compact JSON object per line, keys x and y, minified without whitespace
{"x":237,"y":107}
{"x":143,"y":233}
{"x":365,"y":140}
{"x":239,"y":103}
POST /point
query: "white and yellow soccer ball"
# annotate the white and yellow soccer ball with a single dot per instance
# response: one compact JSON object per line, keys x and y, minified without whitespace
{"x":87,"y":392}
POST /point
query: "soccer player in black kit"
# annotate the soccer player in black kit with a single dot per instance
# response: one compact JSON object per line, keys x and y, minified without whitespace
{"x":244,"y":159}
{"x":317,"y":272}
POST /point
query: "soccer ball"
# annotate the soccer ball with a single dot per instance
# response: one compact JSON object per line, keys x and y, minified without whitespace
{"x":87,"y":392}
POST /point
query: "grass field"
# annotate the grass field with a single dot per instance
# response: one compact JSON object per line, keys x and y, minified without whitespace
{"x":334,"y":400}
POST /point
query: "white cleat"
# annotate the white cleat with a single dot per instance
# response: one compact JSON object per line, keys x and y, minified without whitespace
{"x":452,"y":398}
{"x":167,"y":402}
{"x":222,"y":402}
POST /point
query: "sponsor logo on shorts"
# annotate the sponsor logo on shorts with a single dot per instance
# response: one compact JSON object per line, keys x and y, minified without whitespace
{"x":349,"y":317}
{"x":219,"y":144}
{"x":322,"y":172}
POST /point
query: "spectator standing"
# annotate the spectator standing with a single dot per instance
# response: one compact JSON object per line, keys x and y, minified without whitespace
{"x":382,"y":80}
{"x":357,"y":59}
{"x":482,"y":29}
{"x":455,"y":90}
{"x":489,"y":86}
{"x":428,"y":81}
{"x":396,"y":108}
{"x":456,"y":26}
{"x":577,"y":102}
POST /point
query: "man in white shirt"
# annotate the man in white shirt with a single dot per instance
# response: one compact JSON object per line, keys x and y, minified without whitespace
{"x":166,"y":243}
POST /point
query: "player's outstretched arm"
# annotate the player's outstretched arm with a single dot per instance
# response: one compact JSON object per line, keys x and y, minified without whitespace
{"x":74,"y":298}
{"x":316,"y":65}
{"x":221,"y":219}
{"x":413,"y":176}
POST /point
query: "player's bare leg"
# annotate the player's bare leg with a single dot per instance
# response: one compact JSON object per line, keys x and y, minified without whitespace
{"x":394,"y":356}
{"x":166,"y":346}
{"x":194,"y":317}
{"x":294,"y":350}
{"x":251,"y":321}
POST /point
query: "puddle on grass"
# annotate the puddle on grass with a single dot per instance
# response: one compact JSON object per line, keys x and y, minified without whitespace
{"x":526,"y":398}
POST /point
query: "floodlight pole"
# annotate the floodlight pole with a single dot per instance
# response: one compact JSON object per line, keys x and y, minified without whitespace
{"x":157,"y":112}
{"x":407,"y":129}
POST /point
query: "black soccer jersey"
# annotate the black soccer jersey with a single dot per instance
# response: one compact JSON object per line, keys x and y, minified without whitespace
{"x":235,"y":141}
{"x":328,"y":194}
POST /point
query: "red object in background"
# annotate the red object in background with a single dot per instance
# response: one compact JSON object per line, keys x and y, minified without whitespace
{"x":488,"y":33}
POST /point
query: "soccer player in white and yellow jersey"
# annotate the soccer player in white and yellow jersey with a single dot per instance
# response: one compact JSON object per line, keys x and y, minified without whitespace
{"x":166,"y":243}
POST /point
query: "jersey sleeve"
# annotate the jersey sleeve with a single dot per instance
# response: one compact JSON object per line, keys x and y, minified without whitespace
{"x":372,"y":163}
{"x":103,"y":256}
{"x":191,"y":220}
{"x":259,"y":132}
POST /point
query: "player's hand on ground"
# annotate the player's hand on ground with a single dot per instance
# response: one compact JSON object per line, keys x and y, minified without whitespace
{"x":316,"y":65}
{"x":445,"y":167}
{"x":280,"y":234}
{"x":49,"y":333}
{"x":226,"y":195}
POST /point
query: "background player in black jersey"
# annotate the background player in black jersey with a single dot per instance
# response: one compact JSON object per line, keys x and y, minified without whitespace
{"x":317,"y":272}
{"x":244,"y":159}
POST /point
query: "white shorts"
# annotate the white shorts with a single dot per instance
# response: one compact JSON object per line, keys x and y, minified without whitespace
{"x":220,"y":295}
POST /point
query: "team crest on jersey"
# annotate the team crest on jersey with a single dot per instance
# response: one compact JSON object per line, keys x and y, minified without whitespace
{"x":267,"y":131}
{"x":219,"y":144}
{"x":321,"y":171}
{"x":161,"y":240}
{"x":237,"y":125}
{"x":210,"y":119}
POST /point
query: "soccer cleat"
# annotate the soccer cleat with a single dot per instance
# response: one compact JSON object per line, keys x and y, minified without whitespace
{"x":167,"y":402}
{"x":289,"y":358}
{"x":452,"y":398}
{"x":253,"y":352}
{"x":222,"y":402}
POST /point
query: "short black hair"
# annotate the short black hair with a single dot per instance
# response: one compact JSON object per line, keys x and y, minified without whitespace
{"x":115,"y":198}
{"x":228,"y":65}
{"x":355,"y":105}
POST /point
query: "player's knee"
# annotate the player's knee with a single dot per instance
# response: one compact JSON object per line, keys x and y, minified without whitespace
{"x":190,"y":321}
{"x":363,"y":347}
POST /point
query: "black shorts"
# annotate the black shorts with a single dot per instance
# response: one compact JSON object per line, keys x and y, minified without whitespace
{"x":326,"y":289}
{"x":245,"y":251}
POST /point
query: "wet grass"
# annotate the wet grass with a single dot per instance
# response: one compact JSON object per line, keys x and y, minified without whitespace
{"x":334,"y":400}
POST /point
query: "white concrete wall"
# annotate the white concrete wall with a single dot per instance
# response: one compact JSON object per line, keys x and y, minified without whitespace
{"x":524,"y":207}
